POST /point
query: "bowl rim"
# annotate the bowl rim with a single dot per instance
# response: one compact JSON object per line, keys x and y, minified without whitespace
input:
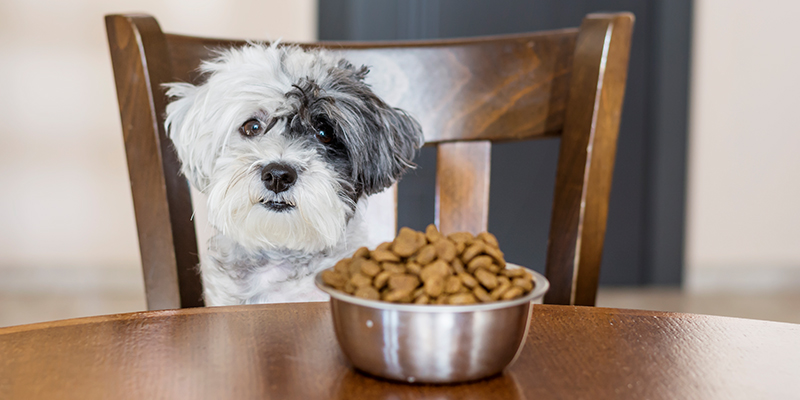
{"x":542,"y":285}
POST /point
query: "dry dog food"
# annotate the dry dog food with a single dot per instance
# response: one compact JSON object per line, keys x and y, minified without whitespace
{"x":431,"y":268}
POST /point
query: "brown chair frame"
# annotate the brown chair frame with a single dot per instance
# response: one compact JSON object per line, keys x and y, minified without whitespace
{"x":477,"y":91}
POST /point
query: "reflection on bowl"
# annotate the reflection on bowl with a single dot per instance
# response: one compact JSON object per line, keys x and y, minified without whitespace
{"x":432,"y":343}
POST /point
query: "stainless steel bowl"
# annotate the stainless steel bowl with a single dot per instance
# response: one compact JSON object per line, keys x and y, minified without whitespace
{"x":432,"y":343}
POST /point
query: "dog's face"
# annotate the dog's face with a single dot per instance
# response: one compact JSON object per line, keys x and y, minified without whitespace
{"x":284,"y":142}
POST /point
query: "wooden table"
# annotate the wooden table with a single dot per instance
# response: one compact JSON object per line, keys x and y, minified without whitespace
{"x":288,"y":351}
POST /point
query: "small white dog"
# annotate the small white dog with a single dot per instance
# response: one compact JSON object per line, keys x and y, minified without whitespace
{"x":286,"y":143}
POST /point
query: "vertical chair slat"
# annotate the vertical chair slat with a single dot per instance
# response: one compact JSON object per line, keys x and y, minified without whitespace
{"x":462,"y":186}
{"x":161,"y":198}
{"x":586,"y":159}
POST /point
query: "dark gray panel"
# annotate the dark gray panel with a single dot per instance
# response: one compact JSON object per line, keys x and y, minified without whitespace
{"x":333,"y":20}
{"x":416,"y":192}
{"x":667,"y":185}
{"x":521,"y":199}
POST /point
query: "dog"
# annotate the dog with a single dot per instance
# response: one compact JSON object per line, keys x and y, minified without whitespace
{"x":286,"y":143}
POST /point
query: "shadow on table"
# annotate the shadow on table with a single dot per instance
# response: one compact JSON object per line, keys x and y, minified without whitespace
{"x":357,"y":385}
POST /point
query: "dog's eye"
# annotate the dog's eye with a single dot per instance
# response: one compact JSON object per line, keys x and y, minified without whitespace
{"x":324,"y":131}
{"x":252,"y":127}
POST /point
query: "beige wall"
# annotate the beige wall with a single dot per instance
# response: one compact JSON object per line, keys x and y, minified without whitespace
{"x":744,"y":166}
{"x":64,"y":194}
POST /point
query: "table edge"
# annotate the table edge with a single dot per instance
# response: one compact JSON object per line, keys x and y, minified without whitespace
{"x":253,"y":307}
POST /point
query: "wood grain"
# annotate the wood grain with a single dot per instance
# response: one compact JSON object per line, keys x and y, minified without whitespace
{"x":514,"y":87}
{"x":289,"y":351}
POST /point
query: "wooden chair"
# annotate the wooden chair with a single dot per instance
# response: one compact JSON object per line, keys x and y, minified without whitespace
{"x":467,"y":93}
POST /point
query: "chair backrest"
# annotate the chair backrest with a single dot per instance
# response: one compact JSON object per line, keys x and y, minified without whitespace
{"x":467,"y":93}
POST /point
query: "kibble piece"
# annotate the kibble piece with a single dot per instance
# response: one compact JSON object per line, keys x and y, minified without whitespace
{"x":500,"y":290}
{"x":397,"y":296}
{"x":467,"y":280}
{"x":486,"y":278}
{"x":452,"y":285}
{"x":496,"y":254}
{"x":424,"y":299}
{"x":513,"y":272}
{"x":472,"y":251}
{"x":458,"y":266}
{"x":418,"y":292}
{"x":422,"y":240}
{"x":489,"y":239}
{"x":503,"y":279}
{"x":438,"y":268}
{"x":482,"y":294}
{"x":382,"y":279}
{"x":386,"y":246}
{"x":406,"y":243}
{"x":355,"y":266}
{"x":434,"y":286}
{"x":403,"y":282}
{"x":432,"y":234}
{"x":525,"y":284}
{"x":362,"y":252}
{"x":413,"y":268}
{"x":333,"y":278}
{"x":370,"y":268}
{"x":343,"y":266}
{"x":526,"y":274}
{"x":460,"y":237}
{"x":464,"y":289}
{"x":494,"y":268}
{"x":458,"y":299}
{"x":384,"y":256}
{"x":360,"y":280}
{"x":512,"y":293}
{"x":394,"y":268}
{"x":426,"y":254}
{"x":349,"y":287}
{"x":442,"y":300}
{"x":445,"y":250}
{"x":479,"y":262}
{"x":368,"y":292}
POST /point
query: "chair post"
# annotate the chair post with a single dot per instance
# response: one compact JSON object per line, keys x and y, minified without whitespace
{"x":462,"y":186}
{"x":586,"y":161}
{"x":161,"y":197}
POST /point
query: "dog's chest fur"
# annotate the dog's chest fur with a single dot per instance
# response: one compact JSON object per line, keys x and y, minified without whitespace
{"x":233,"y":276}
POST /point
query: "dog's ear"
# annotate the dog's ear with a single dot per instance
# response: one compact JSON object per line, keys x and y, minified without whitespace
{"x":190,"y":136}
{"x":400,"y":137}
{"x":382,"y":141}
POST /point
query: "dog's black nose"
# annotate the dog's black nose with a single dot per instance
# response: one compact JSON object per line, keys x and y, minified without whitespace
{"x":278,"y":177}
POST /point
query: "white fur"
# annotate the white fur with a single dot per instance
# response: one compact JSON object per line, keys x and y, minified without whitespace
{"x":234,"y":276}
